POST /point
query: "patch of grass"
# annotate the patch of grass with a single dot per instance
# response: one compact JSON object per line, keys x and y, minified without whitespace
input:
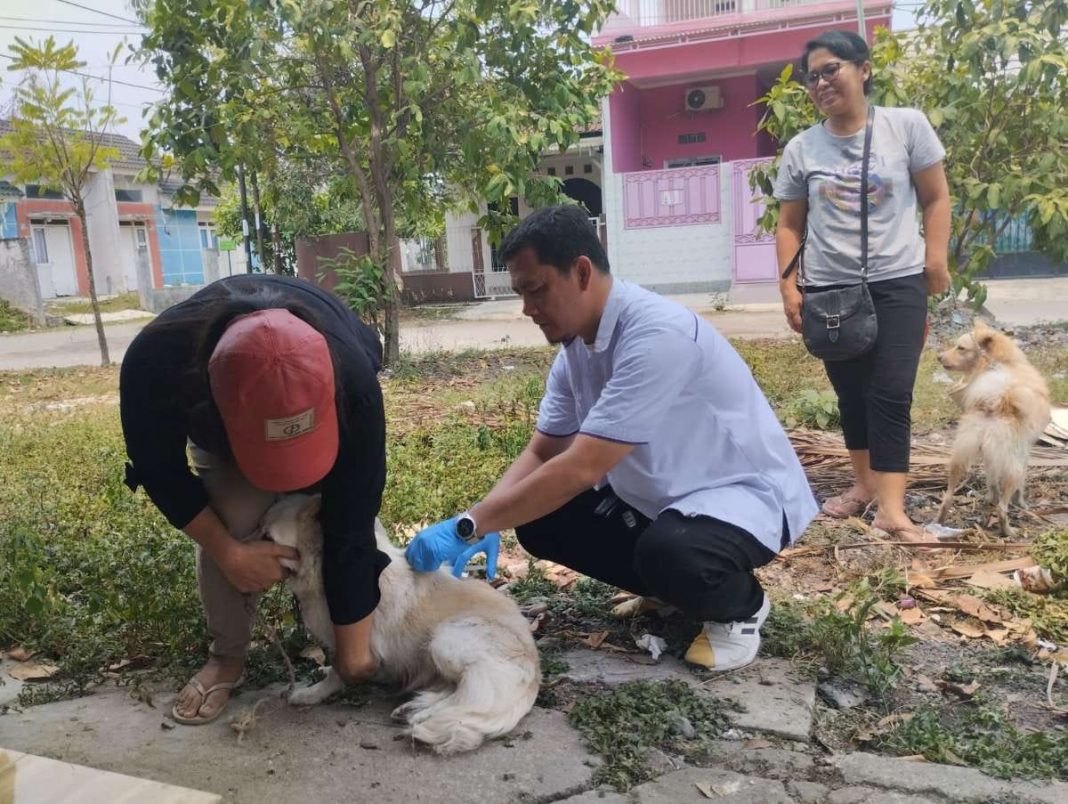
{"x":12,"y":319}
{"x":1050,"y":550}
{"x":435,"y":472}
{"x":813,"y":409}
{"x":783,"y":369}
{"x":552,"y":663}
{"x":590,"y":598}
{"x":622,"y":724}
{"x":468,"y":363}
{"x":784,"y":633}
{"x":980,"y":735}
{"x":1048,"y":613}
{"x":532,"y":585}
{"x":834,"y":632}
{"x":124,"y":301}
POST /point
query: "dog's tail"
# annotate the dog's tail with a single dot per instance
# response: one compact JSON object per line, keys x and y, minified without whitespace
{"x":496,"y":685}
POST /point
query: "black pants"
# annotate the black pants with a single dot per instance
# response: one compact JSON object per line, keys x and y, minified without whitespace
{"x":701,"y":565}
{"x":875,"y":390}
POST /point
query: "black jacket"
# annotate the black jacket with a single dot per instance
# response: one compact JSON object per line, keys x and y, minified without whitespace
{"x":156,"y":405}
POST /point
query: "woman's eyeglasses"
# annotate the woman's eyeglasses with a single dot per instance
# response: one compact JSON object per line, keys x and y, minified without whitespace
{"x":828,"y":72}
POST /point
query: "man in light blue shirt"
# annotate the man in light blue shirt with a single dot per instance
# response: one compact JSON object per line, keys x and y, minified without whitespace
{"x":658,"y":465}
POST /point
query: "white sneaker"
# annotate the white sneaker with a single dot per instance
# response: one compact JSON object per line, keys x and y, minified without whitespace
{"x":728,"y":646}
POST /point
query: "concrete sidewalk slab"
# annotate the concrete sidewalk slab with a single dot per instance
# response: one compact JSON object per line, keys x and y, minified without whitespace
{"x":116,"y":317}
{"x":324,"y":754}
{"x":778,"y":700}
{"x":951,"y":782}
{"x":26,"y":779}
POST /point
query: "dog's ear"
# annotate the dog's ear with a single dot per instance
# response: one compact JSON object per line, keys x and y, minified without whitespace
{"x":311,"y":508}
{"x":984,"y":336}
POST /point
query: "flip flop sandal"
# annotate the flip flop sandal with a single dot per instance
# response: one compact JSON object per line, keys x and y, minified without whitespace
{"x":918,"y":532}
{"x":843,"y":506}
{"x":204,"y":693}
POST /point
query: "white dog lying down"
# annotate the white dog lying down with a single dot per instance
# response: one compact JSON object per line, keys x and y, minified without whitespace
{"x":462,"y":646}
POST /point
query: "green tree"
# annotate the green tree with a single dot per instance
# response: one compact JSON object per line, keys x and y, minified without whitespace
{"x":57,"y":137}
{"x":992,"y":77}
{"x":299,"y":199}
{"x":426,"y":104}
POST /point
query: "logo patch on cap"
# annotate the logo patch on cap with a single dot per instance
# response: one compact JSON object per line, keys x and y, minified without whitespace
{"x":290,"y":427}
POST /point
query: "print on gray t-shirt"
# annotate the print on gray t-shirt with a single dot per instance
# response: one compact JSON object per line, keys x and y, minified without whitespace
{"x":825,"y":169}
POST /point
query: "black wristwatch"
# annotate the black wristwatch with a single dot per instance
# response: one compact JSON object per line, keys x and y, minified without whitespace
{"x":466,"y":528}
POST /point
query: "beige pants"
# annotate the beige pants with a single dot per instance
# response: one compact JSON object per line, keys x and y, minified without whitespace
{"x":240,"y":505}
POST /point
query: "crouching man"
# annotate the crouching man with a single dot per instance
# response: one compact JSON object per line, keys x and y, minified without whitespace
{"x":657,"y":466}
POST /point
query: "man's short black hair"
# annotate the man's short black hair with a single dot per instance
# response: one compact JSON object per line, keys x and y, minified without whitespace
{"x":559,"y":235}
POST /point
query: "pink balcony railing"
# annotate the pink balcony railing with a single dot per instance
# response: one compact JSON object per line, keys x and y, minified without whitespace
{"x":636,"y":14}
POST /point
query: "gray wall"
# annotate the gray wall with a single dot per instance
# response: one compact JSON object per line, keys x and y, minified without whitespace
{"x":18,"y":278}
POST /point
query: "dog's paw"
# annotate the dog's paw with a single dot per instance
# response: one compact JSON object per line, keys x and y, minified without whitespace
{"x":319,"y":692}
{"x":404,"y":712}
{"x":308,"y":696}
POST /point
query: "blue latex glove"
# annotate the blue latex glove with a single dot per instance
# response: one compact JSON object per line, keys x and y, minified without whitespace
{"x":440,"y":543}
{"x":490,"y":544}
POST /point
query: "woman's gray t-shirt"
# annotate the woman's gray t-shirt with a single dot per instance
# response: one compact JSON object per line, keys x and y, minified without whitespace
{"x":825,"y":169}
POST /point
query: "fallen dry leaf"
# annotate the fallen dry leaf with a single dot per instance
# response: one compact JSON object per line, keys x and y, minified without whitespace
{"x":595,"y":639}
{"x":315,"y":653}
{"x":20,"y":654}
{"x":32,"y":671}
{"x":967,"y":570}
{"x":1000,"y":636}
{"x":913,"y":616}
{"x":705,"y":789}
{"x":968,"y":629}
{"x":755,"y":744}
{"x":925,"y":684}
{"x":987,"y":579}
{"x":975,"y":607}
{"x":963,"y":691}
{"x":921,"y":580}
{"x":887,"y":610}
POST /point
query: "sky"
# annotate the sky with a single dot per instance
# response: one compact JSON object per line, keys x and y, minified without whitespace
{"x":96,"y":34}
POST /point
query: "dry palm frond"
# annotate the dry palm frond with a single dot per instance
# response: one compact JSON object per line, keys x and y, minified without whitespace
{"x":826,"y":460}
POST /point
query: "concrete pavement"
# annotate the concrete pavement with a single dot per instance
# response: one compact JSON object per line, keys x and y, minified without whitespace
{"x":346,"y":752}
{"x":500,"y":324}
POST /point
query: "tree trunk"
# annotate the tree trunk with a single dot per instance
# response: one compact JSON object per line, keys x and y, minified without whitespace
{"x":391,"y":312}
{"x":105,"y":359}
{"x":258,"y":220}
{"x":276,"y":234}
{"x":391,"y":281}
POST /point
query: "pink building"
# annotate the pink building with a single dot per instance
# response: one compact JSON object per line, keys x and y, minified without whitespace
{"x":679,"y":132}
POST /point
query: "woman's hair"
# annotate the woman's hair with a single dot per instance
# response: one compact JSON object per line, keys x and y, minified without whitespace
{"x":846,"y":45}
{"x":207,"y":321}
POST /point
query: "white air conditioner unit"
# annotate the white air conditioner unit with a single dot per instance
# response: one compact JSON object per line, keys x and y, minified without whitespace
{"x":698,"y":98}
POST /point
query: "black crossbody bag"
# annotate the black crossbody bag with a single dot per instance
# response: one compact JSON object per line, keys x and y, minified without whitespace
{"x":840,"y":323}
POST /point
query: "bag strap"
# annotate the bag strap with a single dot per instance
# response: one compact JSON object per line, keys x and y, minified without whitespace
{"x":864,"y":196}
{"x":796,"y":261}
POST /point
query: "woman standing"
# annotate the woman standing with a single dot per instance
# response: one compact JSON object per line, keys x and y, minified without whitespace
{"x":819,"y":187}
{"x":270,"y":383}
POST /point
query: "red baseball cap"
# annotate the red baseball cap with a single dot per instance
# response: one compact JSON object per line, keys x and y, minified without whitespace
{"x":273,"y":381}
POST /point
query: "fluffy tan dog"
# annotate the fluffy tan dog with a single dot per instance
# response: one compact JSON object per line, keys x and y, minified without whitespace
{"x":463,"y":647}
{"x":1006,"y":408}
